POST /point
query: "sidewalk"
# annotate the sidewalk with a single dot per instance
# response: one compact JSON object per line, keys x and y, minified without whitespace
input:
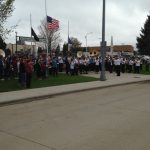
{"x":39,"y":93}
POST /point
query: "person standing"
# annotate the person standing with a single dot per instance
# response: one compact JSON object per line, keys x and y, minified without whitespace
{"x":137,"y":65}
{"x":110,"y":65}
{"x":43,"y":68}
{"x":38,"y":69}
{"x":72,"y":66}
{"x":76,"y":67}
{"x":85,"y":65}
{"x":1,"y":67}
{"x":147,"y":64}
{"x":123,"y":61}
{"x":97,"y":65}
{"x":22,"y":73}
{"x":54,"y":66}
{"x":61,"y":62}
{"x":130,"y":65}
{"x":117,"y":63}
{"x":67,"y":65}
{"x":29,"y":70}
{"x":81,"y":66}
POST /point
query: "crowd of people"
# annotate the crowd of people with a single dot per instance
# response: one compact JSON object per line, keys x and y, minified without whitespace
{"x":23,"y":66}
{"x":17,"y":67}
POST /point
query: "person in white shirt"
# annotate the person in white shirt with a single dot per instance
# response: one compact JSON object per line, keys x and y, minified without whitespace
{"x":81,"y":65}
{"x":130,"y":65}
{"x":137,"y":65}
{"x":110,"y":64}
{"x":117,"y":63}
{"x":60,"y":60}
{"x":72,"y":66}
{"x":97,"y":65}
{"x":85,"y":65}
{"x":76,"y":67}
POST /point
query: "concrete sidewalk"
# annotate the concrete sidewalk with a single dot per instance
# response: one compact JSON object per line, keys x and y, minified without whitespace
{"x":39,"y":93}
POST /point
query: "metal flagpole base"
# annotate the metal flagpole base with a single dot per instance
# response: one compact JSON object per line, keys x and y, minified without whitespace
{"x":102,"y":77}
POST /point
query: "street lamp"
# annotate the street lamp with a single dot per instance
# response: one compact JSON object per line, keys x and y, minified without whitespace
{"x":103,"y":46}
{"x":16,"y":42}
{"x":86,"y":39}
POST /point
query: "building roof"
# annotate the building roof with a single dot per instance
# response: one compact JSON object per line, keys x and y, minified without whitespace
{"x":123,"y":48}
{"x":116,"y":48}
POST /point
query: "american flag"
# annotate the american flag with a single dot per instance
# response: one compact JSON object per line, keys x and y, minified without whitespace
{"x":53,"y":24}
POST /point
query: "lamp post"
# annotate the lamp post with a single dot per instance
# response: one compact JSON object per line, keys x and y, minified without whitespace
{"x":103,"y":46}
{"x":86,"y":39}
{"x":16,"y":42}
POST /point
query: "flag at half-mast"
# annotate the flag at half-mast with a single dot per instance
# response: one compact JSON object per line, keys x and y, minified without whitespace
{"x":52,"y":23}
{"x":34,"y":34}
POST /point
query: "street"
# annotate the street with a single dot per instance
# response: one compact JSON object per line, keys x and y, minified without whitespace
{"x":116,"y":118}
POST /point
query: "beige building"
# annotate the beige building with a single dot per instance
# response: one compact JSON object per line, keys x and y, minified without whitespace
{"x":115,"y":50}
{"x":13,"y":48}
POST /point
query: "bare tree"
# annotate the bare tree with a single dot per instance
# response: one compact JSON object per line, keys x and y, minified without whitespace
{"x":6,"y":9}
{"x":53,"y":36}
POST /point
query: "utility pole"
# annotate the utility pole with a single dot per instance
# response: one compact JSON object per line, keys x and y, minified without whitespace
{"x":103,"y":46}
{"x":16,"y":41}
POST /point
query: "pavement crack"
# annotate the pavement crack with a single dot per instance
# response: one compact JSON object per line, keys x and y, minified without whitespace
{"x":26,"y":139}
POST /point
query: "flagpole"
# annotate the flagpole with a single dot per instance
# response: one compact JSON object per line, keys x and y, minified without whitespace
{"x":46,"y":26}
{"x":30,"y":29}
{"x":46,"y":39}
{"x":68,"y":36}
{"x":112,"y":45}
{"x":103,"y":44}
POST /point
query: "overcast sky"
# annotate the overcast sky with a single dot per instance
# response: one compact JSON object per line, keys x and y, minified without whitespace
{"x":124,"y":19}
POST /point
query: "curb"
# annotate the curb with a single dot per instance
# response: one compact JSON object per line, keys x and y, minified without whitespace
{"x":37,"y":98}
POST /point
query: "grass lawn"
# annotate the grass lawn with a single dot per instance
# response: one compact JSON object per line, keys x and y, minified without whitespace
{"x":143,"y":71}
{"x":61,"y":79}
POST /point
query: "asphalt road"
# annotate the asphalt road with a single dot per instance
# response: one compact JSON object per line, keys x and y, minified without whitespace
{"x":108,"y":119}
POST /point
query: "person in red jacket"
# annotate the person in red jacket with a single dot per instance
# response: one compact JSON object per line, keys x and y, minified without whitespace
{"x":29,"y":70}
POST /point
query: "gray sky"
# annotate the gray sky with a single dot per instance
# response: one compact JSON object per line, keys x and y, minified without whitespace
{"x":124,"y":19}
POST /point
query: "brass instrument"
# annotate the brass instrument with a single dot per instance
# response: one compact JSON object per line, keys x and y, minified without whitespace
{"x":79,"y":54}
{"x":94,"y":54}
{"x":82,"y":54}
{"x":2,"y":53}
